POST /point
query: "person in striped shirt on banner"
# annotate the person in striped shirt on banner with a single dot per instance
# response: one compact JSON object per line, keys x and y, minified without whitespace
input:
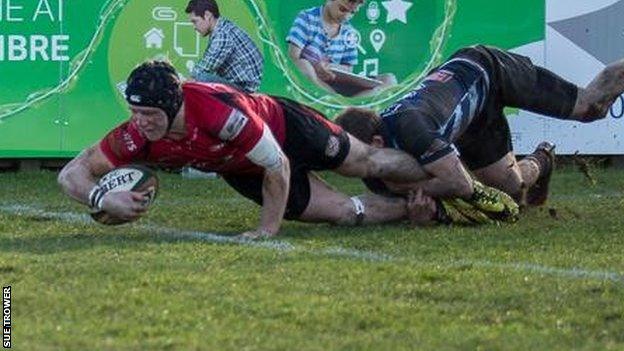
{"x":322,"y":44}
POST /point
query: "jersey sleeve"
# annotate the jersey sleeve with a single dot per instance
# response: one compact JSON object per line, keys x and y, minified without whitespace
{"x":299,"y":34}
{"x":124,"y":145}
{"x":231,"y":125}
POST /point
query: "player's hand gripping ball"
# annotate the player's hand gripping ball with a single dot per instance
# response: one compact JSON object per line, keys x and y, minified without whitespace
{"x":126,"y":178}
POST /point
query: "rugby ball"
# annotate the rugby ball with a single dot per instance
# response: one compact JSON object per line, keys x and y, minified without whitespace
{"x":126,"y":178}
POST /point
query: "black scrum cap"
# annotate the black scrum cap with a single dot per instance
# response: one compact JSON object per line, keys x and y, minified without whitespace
{"x":155,"y":84}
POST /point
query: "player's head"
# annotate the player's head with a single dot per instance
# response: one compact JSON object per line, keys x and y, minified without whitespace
{"x":343,"y":10}
{"x":203,"y":14}
{"x":154,"y":92}
{"x":361,"y":123}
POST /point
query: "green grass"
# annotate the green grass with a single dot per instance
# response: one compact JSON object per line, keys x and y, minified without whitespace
{"x":555,"y":280}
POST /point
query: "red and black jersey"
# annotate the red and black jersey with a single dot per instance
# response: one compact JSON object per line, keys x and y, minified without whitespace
{"x":223,"y":125}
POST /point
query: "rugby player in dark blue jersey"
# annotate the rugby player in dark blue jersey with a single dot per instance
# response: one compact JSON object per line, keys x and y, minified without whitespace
{"x":453,"y":123}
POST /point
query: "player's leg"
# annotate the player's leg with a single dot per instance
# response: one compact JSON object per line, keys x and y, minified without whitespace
{"x":527,"y":180}
{"x":519,"y":83}
{"x":593,"y":101}
{"x":506,"y":174}
{"x":329,"y":206}
{"x":544,"y":158}
{"x":447,"y":178}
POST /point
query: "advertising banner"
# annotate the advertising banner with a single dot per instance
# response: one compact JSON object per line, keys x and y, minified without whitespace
{"x":581,"y":38}
{"x":63,"y":63}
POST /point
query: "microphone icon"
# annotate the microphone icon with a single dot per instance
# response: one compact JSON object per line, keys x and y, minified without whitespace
{"x":373,"y":12}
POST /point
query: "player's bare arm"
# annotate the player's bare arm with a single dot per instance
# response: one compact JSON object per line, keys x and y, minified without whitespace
{"x":78,"y":180}
{"x":275,"y":185}
{"x":449,"y":178}
{"x":365,"y":161}
{"x":80,"y":175}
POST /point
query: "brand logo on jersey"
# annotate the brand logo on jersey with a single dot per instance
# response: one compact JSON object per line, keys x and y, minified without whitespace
{"x":130,"y":145}
{"x":333,"y":146}
{"x":135,"y":98}
{"x":233,"y":126}
{"x":441,"y":76}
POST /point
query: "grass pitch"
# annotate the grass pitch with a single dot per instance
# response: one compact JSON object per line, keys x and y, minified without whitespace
{"x":176,"y":280}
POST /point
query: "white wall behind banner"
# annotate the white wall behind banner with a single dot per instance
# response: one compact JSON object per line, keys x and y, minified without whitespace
{"x":582,"y":37}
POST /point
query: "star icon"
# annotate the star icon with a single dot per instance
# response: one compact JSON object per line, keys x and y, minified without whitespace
{"x":397,"y":10}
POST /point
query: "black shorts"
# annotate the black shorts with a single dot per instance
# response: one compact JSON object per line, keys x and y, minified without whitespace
{"x":459,"y":106}
{"x":250,"y":186}
{"x":312,"y":144}
{"x":514,"y":82}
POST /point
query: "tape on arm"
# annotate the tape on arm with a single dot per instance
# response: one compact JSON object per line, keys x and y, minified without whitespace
{"x":267,"y":152}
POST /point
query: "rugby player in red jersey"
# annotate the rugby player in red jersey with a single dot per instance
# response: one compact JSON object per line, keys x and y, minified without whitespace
{"x":264,"y":147}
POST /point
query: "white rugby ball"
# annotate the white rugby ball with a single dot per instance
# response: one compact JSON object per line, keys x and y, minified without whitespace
{"x":127,"y":178}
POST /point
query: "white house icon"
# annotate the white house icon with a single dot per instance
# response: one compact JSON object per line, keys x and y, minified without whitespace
{"x":154,"y":38}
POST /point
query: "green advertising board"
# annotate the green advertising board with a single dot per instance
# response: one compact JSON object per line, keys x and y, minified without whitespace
{"x":63,"y":62}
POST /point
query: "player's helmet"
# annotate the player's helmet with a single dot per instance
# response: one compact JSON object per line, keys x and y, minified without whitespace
{"x":155,"y":84}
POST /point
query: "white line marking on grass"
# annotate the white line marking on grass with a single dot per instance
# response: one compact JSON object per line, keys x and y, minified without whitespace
{"x":278,"y":245}
{"x":284,"y":246}
{"x":576,"y":273}
{"x":354,"y":253}
{"x":172,"y":233}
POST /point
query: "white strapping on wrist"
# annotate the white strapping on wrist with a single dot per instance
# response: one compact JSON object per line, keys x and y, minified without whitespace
{"x":95,"y":198}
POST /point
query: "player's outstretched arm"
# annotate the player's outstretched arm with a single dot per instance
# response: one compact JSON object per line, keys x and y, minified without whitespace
{"x":78,"y":180}
{"x":365,"y":161}
{"x":80,"y":175}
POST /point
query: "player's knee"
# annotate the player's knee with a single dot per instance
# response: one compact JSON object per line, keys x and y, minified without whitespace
{"x":352,"y":212}
{"x":615,"y":71}
{"x":589,"y":111}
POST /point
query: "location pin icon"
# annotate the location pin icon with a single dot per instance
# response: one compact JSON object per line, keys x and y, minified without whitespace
{"x":377,"y":38}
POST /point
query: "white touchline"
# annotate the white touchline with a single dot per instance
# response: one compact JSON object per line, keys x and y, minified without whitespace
{"x":284,"y":246}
